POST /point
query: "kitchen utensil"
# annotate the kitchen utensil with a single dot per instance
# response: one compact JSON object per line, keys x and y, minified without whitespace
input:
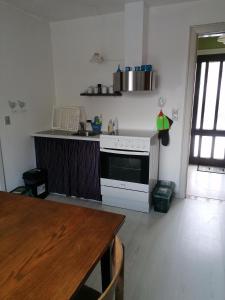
{"x":82,"y":126}
{"x":111,"y":89}
{"x":90,"y":90}
{"x":99,"y":88}
{"x":137,"y":68}
{"x":127,"y":69}
{"x":104,"y":89}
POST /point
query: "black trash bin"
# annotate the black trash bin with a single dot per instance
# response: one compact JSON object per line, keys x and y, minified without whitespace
{"x":37,"y":181}
{"x":162,"y":195}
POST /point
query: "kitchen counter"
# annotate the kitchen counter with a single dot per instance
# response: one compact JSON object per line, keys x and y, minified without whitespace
{"x":63,"y":134}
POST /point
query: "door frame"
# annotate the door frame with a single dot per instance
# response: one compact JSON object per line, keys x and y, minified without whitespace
{"x":214,"y":132}
{"x":195,"y":31}
{"x":2,"y":173}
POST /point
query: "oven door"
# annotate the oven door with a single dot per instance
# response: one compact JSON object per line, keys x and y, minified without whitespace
{"x":125,"y":169}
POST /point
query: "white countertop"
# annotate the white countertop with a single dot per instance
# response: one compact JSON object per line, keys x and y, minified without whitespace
{"x":61,"y":134}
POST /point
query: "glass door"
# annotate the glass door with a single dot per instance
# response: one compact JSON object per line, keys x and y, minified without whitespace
{"x":125,"y":167}
{"x":208,"y":122}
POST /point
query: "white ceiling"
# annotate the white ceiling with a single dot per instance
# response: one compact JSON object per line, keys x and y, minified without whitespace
{"x":56,"y":10}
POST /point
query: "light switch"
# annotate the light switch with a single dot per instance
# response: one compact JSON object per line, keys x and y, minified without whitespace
{"x":161,"y":102}
{"x":175,"y":114}
{"x":7,"y":120}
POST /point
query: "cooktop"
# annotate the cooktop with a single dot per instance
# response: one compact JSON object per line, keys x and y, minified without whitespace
{"x":132,"y":133}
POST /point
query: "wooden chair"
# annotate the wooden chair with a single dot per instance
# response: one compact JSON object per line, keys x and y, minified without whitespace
{"x":116,"y":286}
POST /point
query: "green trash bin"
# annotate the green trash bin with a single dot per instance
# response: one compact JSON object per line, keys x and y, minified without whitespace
{"x":162,"y":195}
{"x":22,"y":190}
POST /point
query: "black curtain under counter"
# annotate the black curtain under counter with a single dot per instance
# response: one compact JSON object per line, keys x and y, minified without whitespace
{"x":73,"y":166}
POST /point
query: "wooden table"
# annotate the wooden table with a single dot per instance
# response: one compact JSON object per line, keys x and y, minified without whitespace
{"x":48,"y":249}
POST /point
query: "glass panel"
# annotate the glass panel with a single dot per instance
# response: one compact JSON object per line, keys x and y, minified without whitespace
{"x":200,"y":95}
{"x":221,"y":111}
{"x":219,"y":148}
{"x":211,"y":91}
{"x":206,"y":147}
{"x":196,"y":145}
{"x":123,"y":167}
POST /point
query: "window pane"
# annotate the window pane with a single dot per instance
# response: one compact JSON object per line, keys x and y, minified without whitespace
{"x":219,"y":148}
{"x":200,"y":96}
{"x":211,"y":91}
{"x":206,"y":146}
{"x":221,"y":111}
{"x":196,"y":145}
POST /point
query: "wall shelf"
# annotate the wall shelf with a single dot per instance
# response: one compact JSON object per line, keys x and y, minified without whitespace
{"x":116,"y":94}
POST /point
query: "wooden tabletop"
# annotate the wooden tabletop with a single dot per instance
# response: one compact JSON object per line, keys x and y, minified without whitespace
{"x":48,"y":249}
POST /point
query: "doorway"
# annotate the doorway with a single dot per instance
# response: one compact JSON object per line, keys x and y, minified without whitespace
{"x":2,"y":176}
{"x":206,"y":171}
{"x":208,"y":119}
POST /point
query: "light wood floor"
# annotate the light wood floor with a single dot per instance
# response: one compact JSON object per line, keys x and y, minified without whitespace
{"x":175,"y":256}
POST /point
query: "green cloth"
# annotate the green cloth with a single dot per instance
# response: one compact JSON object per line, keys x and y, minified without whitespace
{"x":162,"y":122}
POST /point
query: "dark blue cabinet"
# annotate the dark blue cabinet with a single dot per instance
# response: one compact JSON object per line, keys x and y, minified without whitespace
{"x":73,"y":166}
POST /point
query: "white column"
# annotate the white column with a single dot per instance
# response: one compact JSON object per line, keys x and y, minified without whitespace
{"x":135,"y":21}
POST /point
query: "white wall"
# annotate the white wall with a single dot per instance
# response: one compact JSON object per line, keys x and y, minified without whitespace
{"x":169,"y":45}
{"x":75,"y":41}
{"x":2,"y":175}
{"x":25,"y":74}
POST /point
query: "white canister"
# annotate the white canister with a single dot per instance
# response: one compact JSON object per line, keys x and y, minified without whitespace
{"x":111,"y":89}
{"x":90,"y":90}
{"x":104,"y":89}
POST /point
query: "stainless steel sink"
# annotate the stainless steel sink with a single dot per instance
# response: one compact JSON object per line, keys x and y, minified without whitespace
{"x":57,"y":132}
{"x":69,"y":133}
{"x":85,"y":133}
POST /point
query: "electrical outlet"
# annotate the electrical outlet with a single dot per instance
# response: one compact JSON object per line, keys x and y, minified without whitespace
{"x":7,"y":120}
{"x":175,"y":114}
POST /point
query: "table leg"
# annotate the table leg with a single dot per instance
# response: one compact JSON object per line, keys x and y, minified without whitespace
{"x":106,"y":269}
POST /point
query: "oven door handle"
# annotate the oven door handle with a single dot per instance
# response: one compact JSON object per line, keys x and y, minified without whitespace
{"x":137,"y":153}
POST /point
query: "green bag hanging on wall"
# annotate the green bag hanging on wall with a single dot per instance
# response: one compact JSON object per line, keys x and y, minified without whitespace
{"x":163,"y":124}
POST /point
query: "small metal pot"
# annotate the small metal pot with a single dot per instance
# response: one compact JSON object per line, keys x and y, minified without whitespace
{"x":111,"y":89}
{"x":90,"y":90}
{"x":104,"y":89}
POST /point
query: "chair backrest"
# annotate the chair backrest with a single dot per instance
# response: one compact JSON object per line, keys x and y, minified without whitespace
{"x":116,"y":286}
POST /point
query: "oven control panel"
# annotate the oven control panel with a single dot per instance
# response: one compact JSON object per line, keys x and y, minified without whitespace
{"x":125,"y":143}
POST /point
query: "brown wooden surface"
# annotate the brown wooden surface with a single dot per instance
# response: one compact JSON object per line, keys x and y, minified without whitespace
{"x":48,"y":249}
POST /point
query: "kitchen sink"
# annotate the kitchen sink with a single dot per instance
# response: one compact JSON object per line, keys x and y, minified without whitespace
{"x":85,"y":133}
{"x":57,"y":132}
{"x":69,"y":133}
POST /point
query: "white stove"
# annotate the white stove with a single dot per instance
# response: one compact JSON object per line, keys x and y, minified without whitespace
{"x":129,"y":168}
